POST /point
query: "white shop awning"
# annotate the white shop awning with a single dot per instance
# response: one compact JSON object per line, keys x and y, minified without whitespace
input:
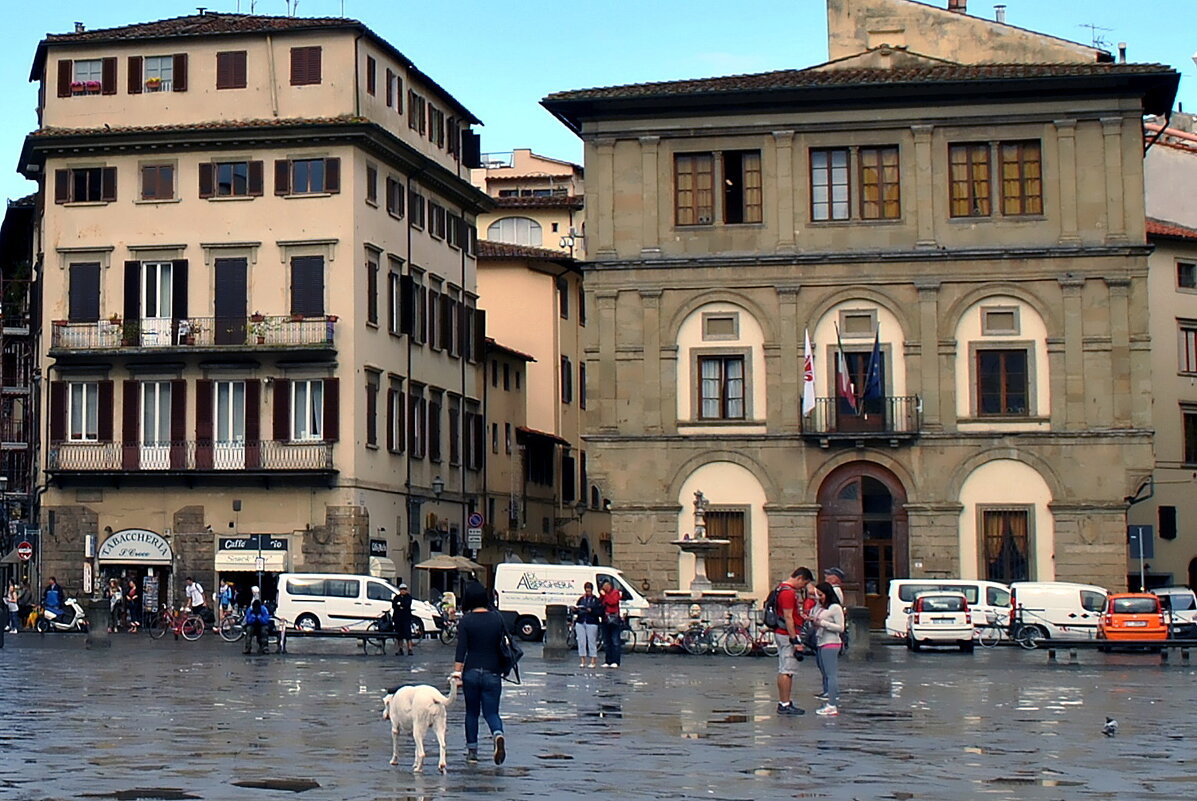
{"x":245,"y":561}
{"x":382,"y":567}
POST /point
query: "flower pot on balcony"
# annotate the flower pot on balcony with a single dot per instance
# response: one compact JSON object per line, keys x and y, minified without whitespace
{"x":93,"y":86}
{"x":257,"y":318}
{"x":189,"y":339}
{"x":261,"y":339}
{"x":78,"y":87}
{"x":295,"y":318}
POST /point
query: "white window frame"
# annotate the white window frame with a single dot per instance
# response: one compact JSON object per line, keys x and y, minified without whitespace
{"x":307,"y":410}
{"x":162,"y":67}
{"x":83,"y":397}
{"x":155,"y":413}
{"x":516,"y":231}
{"x":88,"y":69}
{"x":226,"y":395}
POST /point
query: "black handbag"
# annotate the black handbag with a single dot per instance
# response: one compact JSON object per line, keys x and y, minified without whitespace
{"x":510,"y":655}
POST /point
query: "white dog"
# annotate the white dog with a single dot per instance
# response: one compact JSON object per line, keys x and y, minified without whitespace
{"x":417,"y":707}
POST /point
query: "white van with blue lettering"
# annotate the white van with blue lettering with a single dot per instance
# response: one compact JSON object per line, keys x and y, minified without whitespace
{"x":525,"y":590}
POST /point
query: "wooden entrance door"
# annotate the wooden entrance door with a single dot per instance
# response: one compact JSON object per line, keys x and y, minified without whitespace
{"x":863,"y":531}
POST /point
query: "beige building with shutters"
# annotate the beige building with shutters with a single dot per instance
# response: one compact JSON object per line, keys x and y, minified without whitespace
{"x":262,"y":342}
{"x":959,"y":202}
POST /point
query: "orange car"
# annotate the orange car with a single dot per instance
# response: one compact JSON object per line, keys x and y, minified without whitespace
{"x":1132,"y":616}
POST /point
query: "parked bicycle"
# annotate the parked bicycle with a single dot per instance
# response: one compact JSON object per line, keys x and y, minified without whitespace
{"x":991,"y":633}
{"x":182,"y":623}
{"x":231,"y":627}
{"x":649,"y":639}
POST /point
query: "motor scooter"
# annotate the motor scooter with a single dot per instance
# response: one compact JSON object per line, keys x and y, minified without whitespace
{"x":71,"y":618}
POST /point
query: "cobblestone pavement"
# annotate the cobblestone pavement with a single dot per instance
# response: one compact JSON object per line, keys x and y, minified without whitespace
{"x":166,"y":719}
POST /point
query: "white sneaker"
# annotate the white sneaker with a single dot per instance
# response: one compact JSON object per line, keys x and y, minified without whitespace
{"x":827,"y":711}
{"x":608,"y":665}
{"x":613,"y":666}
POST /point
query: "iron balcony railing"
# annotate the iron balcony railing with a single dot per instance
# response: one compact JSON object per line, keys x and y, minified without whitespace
{"x":190,"y":455}
{"x":882,"y":417}
{"x":206,"y":333}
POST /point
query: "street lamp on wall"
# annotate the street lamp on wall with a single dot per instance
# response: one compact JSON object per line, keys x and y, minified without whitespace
{"x":438,"y":486}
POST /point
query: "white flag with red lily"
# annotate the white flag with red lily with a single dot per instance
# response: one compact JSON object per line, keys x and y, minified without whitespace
{"x":808,"y":377}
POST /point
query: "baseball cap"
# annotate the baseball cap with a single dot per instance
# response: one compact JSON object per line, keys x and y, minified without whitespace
{"x":835,"y":571}
{"x":403,"y":586}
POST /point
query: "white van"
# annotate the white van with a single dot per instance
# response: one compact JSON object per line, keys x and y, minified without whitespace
{"x":336,"y":600}
{"x":985,"y":599}
{"x":525,"y":590}
{"x":1058,"y":609}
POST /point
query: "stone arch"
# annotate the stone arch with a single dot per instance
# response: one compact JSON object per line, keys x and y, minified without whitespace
{"x":863,"y":293}
{"x":1023,"y":537}
{"x":688,"y":467}
{"x":949,"y":319}
{"x":764,"y":319}
{"x":1037,"y":463}
{"x":874,"y":455}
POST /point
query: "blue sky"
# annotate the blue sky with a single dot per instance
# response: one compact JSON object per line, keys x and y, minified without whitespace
{"x":500,"y":59}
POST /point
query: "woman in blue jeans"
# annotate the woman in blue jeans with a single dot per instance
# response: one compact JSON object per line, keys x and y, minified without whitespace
{"x":479,"y":667}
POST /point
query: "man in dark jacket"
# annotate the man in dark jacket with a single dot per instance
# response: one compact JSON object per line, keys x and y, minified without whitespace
{"x":257,"y":625}
{"x":401,"y":617}
{"x":54,"y":598}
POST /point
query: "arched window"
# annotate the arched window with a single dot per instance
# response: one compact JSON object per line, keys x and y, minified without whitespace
{"x":516,"y":231}
{"x":594,"y":497}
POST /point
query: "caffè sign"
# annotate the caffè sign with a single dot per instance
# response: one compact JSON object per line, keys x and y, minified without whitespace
{"x":133,"y":545}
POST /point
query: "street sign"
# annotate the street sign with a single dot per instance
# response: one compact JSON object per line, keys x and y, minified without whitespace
{"x":474,"y":538}
{"x":476,"y":520}
{"x":1141,"y":542}
{"x":25,"y":551}
{"x":87,"y":578}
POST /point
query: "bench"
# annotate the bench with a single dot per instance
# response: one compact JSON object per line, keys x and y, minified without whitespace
{"x":1073,"y":646}
{"x":365,"y":638}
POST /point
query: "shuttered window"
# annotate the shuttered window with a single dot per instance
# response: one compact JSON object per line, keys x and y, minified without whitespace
{"x":372,"y":76}
{"x":230,"y":179}
{"x":969,"y":179}
{"x":305,"y":66}
{"x":84,"y":293}
{"x":85,"y":185}
{"x":694,"y":184}
{"x":307,"y":176}
{"x":1022,"y":178}
{"x":307,"y":286}
{"x":880,"y":189}
{"x":726,"y":566}
{"x":231,"y":70}
{"x":157,"y":181}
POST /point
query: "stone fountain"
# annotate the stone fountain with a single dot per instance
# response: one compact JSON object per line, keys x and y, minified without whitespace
{"x":701,"y":546}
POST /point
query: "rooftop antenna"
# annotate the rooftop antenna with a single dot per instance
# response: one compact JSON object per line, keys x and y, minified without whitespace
{"x":1098,"y":41}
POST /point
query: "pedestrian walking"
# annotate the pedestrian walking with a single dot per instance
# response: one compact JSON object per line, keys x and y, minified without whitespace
{"x":257,"y":626}
{"x":587,"y":613}
{"x":479,"y":666}
{"x":791,"y":614}
{"x":115,"y":595}
{"x":828,"y":618}
{"x":133,"y":604}
{"x":12,"y":602}
{"x":612,"y":626}
{"x":401,"y":618}
{"x":195,"y":598}
{"x":227,"y":593}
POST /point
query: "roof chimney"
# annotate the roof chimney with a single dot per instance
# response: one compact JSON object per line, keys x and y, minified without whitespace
{"x":959,"y":6}
{"x":1122,"y":52}
{"x":79,"y":28}
{"x":999,"y":13}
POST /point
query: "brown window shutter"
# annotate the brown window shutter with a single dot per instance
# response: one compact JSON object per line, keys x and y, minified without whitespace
{"x":298,"y":66}
{"x":372,"y":76}
{"x":58,"y":411}
{"x":390,"y":88}
{"x":407,"y":305}
{"x":479,"y":333}
{"x":132,"y":296}
{"x":131,"y":423}
{"x":390,"y":413}
{"x":332,"y":410}
{"x":255,"y":179}
{"x":203,"y":424}
{"x":479,"y":441}
{"x":253,"y":423}
{"x":108,"y":184}
{"x":314,"y":75}
{"x":446,"y":322}
{"x":178,"y":424}
{"x":463,"y":329}
{"x":399,"y":93}
{"x":207,"y":179}
{"x":332,"y":175}
{"x":224,"y":71}
{"x":178,"y":301}
{"x":179,"y":76}
{"x":62,"y":186}
{"x":108,"y":76}
{"x":134,"y":75}
{"x":282,"y":409}
{"x":66,"y":71}
{"x":282,"y":177}
{"x":105,"y":412}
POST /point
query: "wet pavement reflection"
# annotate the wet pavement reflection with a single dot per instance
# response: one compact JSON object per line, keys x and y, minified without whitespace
{"x":166,"y":720}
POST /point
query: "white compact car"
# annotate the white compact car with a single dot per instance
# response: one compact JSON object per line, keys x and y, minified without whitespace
{"x":940,"y":618}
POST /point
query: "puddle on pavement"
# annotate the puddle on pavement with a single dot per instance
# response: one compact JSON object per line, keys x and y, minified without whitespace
{"x":731,"y":719}
{"x":553,"y":756}
{"x":290,"y":785}
{"x":1026,"y":781}
{"x":145,"y":794}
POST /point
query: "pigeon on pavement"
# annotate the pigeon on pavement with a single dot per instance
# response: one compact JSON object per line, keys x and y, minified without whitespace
{"x":1110,"y":728}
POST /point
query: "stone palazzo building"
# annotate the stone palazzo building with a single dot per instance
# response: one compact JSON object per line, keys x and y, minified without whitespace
{"x":953,"y":209}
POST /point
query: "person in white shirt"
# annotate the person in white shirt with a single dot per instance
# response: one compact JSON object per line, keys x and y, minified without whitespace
{"x":195,"y":596}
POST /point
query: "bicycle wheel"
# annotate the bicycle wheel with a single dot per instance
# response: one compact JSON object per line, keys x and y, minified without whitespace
{"x":379,"y":642}
{"x":231,"y":629}
{"x":989,"y":636}
{"x":736,"y":643}
{"x":156,"y":626}
{"x":694,"y":642}
{"x":192,"y":628}
{"x":1028,"y":636}
{"x":448,"y":633}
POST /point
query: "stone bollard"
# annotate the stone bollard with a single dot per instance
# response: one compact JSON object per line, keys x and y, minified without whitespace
{"x":555,"y":642}
{"x":97,"y":635}
{"x":860,"y":646}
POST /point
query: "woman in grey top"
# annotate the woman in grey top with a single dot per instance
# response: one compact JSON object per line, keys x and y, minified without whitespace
{"x":828,"y":618}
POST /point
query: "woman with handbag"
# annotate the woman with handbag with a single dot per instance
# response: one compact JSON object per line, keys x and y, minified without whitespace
{"x":828,"y":618}
{"x":479,"y":667}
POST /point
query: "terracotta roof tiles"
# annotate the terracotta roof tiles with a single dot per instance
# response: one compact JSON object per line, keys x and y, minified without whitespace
{"x":489,"y":249}
{"x":207,"y":24}
{"x":1170,"y":230}
{"x":542,"y":202}
{"x":272,"y":122}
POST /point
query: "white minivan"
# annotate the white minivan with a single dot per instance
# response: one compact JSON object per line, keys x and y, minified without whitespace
{"x":343,"y":600}
{"x":987,"y":600}
{"x":1057,"y":609}
{"x":524,"y":590}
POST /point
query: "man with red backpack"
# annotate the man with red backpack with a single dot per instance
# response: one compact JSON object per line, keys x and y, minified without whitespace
{"x":786,"y":610}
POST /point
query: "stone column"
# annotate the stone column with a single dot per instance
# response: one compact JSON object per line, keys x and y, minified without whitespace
{"x":1055,"y":367}
{"x":1074,"y":364}
{"x":650,"y":179}
{"x":934,"y":539}
{"x":602,"y":218}
{"x":1120,"y":363}
{"x":650,"y":301}
{"x":924,"y":194}
{"x":1111,"y":129}
{"x":605,"y":299}
{"x":1067,"y":186}
{"x":668,"y":388}
{"x":1090,"y":542}
{"x":784,"y":185}
{"x":790,"y":359}
{"x":947,"y":383}
{"x":924,"y":371}
{"x":793,"y":537}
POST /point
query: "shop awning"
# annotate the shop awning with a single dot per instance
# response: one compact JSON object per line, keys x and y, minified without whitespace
{"x":382,"y":567}
{"x":443,"y":562}
{"x":11,"y":558}
{"x":245,"y":561}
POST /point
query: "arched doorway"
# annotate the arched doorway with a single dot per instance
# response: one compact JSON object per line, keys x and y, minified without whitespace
{"x":863,"y":530}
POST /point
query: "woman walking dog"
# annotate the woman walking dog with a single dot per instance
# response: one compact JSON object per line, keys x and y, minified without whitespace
{"x":479,"y":666}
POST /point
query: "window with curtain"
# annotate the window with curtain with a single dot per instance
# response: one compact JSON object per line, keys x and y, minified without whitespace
{"x":880,"y":188}
{"x":83,"y":411}
{"x":694,"y":188}
{"x":307,"y":410}
{"x":1003,"y":383}
{"x":726,"y":566}
{"x":1022,"y":178}
{"x":1007,"y":544}
{"x":969,"y":179}
{"x":721,"y":387}
{"x":829,"y":190}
